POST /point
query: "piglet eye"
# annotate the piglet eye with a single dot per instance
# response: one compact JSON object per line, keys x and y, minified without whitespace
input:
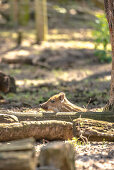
{"x":52,"y":101}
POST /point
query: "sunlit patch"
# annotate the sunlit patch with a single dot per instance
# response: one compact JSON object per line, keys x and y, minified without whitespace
{"x":60,"y":9}
{"x":13,"y":54}
{"x":108,"y":78}
{"x":33,"y":82}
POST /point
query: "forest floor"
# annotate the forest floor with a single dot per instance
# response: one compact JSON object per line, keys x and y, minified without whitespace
{"x":93,"y":156}
{"x":65,"y":63}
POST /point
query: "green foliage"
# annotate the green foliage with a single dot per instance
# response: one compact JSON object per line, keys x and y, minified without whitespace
{"x":102,"y":38}
{"x":76,"y":142}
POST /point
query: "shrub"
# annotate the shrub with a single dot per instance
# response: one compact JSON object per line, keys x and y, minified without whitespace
{"x":102,"y":38}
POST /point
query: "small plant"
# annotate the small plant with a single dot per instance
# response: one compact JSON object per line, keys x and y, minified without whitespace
{"x":76,"y":142}
{"x":103,"y":143}
{"x":102,"y":38}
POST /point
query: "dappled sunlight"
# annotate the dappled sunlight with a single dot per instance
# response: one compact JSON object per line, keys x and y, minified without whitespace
{"x":27,"y":83}
{"x":65,"y":62}
{"x":106,"y":78}
{"x":72,"y":44}
{"x":12,"y":54}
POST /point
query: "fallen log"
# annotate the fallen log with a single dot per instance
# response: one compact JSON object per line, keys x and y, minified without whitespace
{"x":93,"y":130}
{"x":50,"y":130}
{"x":65,"y":116}
{"x":57,"y":130}
{"x":18,"y":155}
{"x":5,"y":118}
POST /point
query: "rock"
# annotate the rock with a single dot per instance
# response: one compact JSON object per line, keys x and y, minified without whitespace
{"x":59,"y":155}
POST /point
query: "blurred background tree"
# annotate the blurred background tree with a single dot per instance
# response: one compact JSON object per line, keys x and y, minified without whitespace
{"x":74,"y":58}
{"x":19,"y":12}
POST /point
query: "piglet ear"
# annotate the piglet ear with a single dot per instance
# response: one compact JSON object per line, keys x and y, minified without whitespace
{"x":61,"y":96}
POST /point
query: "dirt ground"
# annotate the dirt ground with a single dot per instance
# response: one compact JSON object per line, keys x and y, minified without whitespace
{"x":93,"y":156}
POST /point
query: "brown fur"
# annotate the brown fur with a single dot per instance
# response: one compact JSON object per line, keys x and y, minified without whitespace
{"x":59,"y":103}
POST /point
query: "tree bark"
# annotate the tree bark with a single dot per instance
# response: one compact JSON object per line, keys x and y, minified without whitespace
{"x":65,"y":116}
{"x":109,"y":9}
{"x":41,"y":20}
{"x":58,"y":155}
{"x":18,"y":155}
{"x":57,"y":130}
{"x":5,"y":118}
{"x":50,"y":130}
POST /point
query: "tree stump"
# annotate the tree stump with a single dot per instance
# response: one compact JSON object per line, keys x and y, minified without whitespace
{"x":59,"y":155}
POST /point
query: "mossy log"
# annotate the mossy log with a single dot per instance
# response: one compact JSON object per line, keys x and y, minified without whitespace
{"x":18,"y":155}
{"x":50,"y":130}
{"x":65,"y":116}
{"x":57,"y":130}
{"x":94,"y":130}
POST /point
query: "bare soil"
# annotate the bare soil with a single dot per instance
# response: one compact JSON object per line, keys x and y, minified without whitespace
{"x":93,"y":156}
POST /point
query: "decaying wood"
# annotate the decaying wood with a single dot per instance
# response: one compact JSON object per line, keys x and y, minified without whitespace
{"x":57,"y":130}
{"x":66,"y":116}
{"x":59,"y":155}
{"x":18,"y":155}
{"x":5,"y":118}
{"x":93,"y":130}
{"x":50,"y":130}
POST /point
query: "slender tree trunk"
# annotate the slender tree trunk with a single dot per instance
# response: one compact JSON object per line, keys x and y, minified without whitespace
{"x":41,"y":20}
{"x":109,"y":9}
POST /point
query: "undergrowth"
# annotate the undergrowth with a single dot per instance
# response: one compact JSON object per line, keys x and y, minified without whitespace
{"x":102,"y":39}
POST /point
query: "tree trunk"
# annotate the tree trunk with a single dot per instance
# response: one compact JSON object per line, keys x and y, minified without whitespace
{"x":41,"y":20}
{"x":109,"y":9}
